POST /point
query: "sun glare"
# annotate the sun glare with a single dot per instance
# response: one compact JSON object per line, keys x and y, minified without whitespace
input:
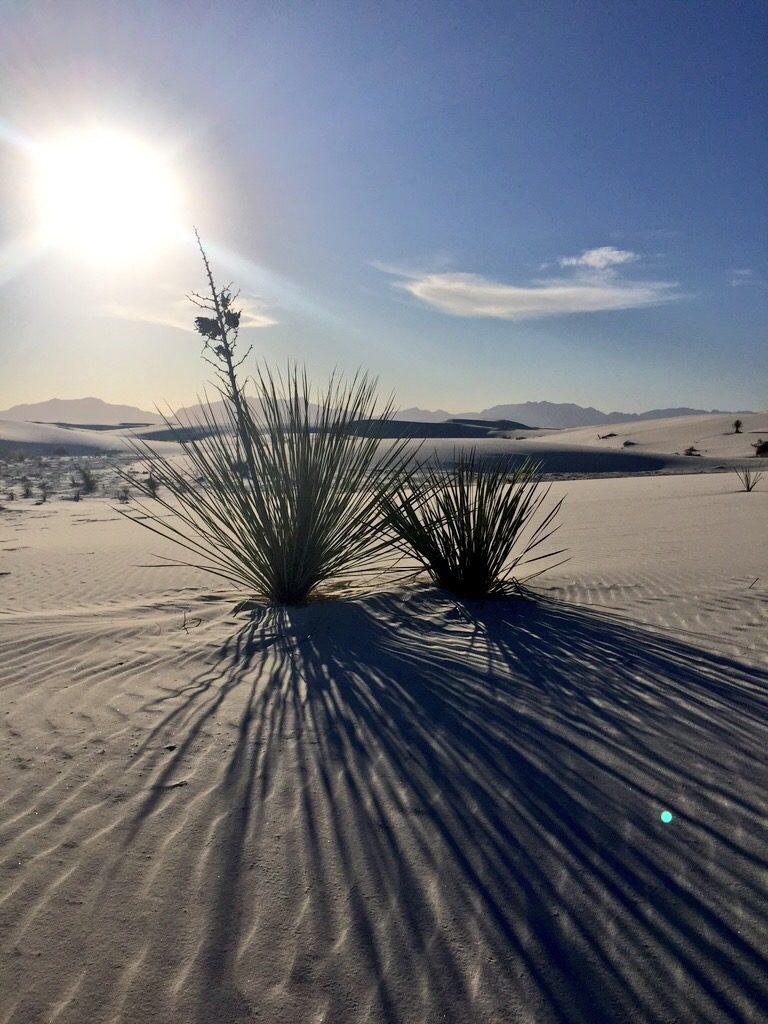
{"x":105,"y":196}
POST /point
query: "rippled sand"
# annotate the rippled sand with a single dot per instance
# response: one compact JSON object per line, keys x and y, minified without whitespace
{"x":394,"y":807}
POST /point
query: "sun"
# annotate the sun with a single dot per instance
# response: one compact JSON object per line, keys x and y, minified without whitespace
{"x":105,"y":196}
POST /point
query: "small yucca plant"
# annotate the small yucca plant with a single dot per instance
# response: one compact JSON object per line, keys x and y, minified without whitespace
{"x":749,"y":478}
{"x":88,"y":483}
{"x":473,"y":528}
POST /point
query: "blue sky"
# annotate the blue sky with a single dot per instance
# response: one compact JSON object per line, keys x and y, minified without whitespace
{"x":478,"y":202}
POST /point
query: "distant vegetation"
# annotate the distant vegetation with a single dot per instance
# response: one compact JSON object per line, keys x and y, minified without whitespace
{"x":749,"y":478}
{"x":88,"y":483}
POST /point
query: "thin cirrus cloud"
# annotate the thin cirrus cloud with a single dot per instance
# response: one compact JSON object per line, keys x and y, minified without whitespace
{"x":741,"y":277}
{"x":592,"y":284}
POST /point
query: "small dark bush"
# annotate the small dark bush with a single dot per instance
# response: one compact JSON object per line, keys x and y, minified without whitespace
{"x":761,"y":447}
{"x":88,"y":483}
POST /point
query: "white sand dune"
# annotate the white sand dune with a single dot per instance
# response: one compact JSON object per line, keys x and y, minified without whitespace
{"x":390,"y":808}
{"x":47,"y":438}
{"x":712,"y":435}
{"x":656,"y":446}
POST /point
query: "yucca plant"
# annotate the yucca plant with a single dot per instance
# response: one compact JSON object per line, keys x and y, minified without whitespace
{"x":474,"y":528}
{"x":749,"y":477}
{"x":291,"y":497}
{"x":152,"y":485}
{"x":304,"y":507}
{"x":88,"y":483}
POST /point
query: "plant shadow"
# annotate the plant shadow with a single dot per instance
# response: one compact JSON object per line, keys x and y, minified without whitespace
{"x":454,"y":810}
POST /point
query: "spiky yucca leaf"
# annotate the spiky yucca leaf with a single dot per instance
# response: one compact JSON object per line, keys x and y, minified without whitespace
{"x":305,"y":509}
{"x":473,"y":528}
{"x":748,"y":477}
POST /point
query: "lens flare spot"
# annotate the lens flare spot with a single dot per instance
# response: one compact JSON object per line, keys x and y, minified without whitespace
{"x":666,"y":817}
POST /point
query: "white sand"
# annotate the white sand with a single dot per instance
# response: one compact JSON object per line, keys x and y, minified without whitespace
{"x":713,"y":436}
{"x":47,"y":439}
{"x":390,"y":808}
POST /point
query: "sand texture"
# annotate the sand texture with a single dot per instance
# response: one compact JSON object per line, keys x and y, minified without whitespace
{"x":390,"y":807}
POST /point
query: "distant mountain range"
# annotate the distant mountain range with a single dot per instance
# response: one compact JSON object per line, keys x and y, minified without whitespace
{"x":554,"y":414}
{"x":84,"y":411}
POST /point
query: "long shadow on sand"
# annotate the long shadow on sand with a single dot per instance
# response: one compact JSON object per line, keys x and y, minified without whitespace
{"x":441,"y":812}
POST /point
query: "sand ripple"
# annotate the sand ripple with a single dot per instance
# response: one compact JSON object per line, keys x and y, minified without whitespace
{"x":395,"y":809}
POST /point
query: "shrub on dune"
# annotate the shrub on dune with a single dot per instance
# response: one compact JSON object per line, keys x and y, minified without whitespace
{"x":473,"y":529}
{"x":748,"y":478}
{"x":152,"y":485}
{"x":88,"y":483}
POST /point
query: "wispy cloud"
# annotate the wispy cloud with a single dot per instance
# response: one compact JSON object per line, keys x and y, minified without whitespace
{"x":180,"y":313}
{"x":593,"y":285}
{"x":602,"y":258}
{"x":740,"y":277}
